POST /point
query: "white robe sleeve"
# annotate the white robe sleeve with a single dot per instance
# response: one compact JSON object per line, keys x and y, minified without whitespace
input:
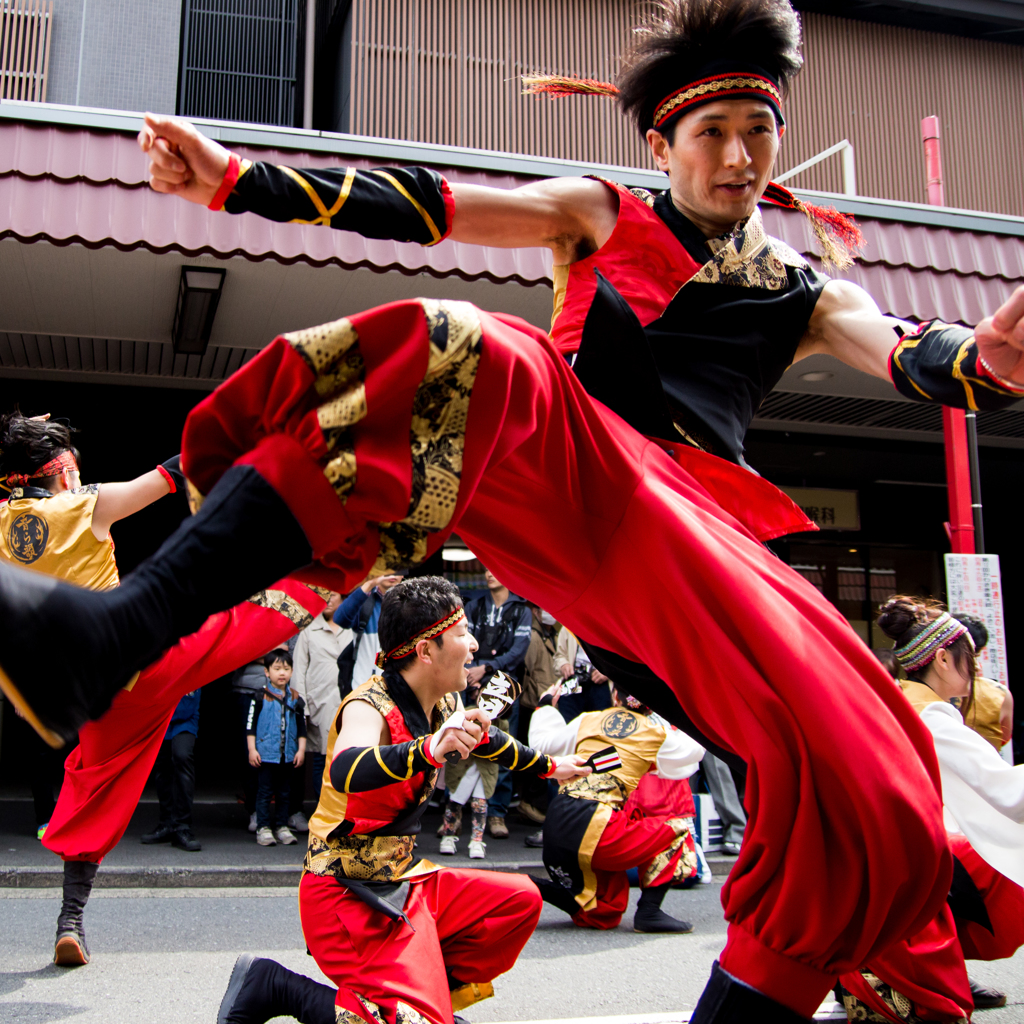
{"x":962,"y":751}
{"x":551,"y":734}
{"x":679,"y":756}
{"x":984,"y":795}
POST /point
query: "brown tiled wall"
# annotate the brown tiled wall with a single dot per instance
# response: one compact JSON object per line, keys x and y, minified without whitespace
{"x":447,"y":71}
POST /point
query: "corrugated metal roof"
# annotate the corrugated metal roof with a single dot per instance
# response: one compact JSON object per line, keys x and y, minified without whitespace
{"x":116,"y":356}
{"x":79,"y":185}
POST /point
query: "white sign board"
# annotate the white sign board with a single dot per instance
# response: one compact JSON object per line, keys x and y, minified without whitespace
{"x":973,"y":585}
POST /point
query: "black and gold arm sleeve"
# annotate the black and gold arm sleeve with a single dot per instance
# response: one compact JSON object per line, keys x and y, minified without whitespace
{"x":405,"y":204}
{"x":940,"y":363}
{"x":358,"y":769}
{"x":511,"y":754}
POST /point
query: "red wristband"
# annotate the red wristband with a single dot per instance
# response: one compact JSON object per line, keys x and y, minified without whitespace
{"x":228,"y":183}
{"x":170,"y":479}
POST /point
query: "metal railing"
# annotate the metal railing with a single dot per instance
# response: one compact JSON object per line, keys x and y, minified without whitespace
{"x":849,"y":171}
{"x":239,"y":60}
{"x":25,"y":30}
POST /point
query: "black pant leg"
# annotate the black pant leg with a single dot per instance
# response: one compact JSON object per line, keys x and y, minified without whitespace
{"x":46,"y":773}
{"x":282,"y":790}
{"x":249,"y":776}
{"x":264,"y":791}
{"x":162,"y":776}
{"x":182,"y":779}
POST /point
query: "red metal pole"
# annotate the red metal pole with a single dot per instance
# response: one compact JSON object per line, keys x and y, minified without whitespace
{"x":932,"y":159}
{"x":954,"y":425}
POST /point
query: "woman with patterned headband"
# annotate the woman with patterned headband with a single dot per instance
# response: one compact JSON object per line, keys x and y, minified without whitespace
{"x":370,"y":439}
{"x":984,"y":799}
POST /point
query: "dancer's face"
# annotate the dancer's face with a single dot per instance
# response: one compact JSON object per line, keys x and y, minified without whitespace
{"x":719,"y":161}
{"x":453,"y":657}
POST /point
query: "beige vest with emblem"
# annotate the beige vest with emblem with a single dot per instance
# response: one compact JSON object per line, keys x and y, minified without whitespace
{"x":54,"y":536}
{"x":983,"y":716}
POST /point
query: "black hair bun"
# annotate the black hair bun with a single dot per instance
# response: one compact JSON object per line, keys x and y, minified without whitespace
{"x":898,"y":614}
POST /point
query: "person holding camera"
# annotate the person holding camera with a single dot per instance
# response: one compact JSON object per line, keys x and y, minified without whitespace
{"x":584,"y":688}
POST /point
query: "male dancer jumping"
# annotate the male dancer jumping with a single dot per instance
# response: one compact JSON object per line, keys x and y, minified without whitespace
{"x":365,"y":442}
{"x":404,"y":940}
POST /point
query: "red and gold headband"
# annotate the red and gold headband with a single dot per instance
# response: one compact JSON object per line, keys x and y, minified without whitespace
{"x":408,"y":646}
{"x":729,"y":86}
{"x":52,"y":468}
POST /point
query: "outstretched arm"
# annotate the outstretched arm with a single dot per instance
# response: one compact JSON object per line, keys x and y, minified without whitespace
{"x":570,"y":216}
{"x":120,"y":500}
{"x":930,"y":362}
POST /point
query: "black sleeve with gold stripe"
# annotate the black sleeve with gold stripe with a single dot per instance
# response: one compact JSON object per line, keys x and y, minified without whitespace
{"x":405,"y":204}
{"x":939,"y":362}
{"x":358,"y":769}
{"x":511,"y":754}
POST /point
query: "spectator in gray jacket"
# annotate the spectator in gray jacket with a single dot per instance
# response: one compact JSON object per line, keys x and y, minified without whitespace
{"x":315,"y":679}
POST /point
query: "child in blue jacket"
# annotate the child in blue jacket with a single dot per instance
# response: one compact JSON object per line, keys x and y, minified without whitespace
{"x":276,"y":735}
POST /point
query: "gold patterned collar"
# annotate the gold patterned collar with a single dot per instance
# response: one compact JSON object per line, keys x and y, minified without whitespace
{"x":747,"y":257}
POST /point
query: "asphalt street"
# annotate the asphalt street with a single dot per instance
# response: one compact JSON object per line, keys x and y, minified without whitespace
{"x":164,"y":955}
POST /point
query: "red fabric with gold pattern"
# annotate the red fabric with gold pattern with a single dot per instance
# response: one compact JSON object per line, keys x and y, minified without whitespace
{"x":566,"y":503}
{"x":646,"y":275}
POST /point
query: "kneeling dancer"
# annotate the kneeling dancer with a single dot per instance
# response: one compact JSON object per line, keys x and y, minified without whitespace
{"x":403,"y":939}
{"x":590,"y":841}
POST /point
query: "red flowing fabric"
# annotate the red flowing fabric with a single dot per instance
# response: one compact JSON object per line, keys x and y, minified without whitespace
{"x":928,"y":968}
{"x":105,"y":774}
{"x":669,"y":798}
{"x":1004,"y":901}
{"x":472,"y":923}
{"x":844,"y":851}
{"x":630,"y":840}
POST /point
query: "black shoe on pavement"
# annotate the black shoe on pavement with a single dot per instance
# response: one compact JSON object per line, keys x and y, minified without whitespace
{"x":161,"y":834}
{"x":205,"y":566}
{"x":69,"y":948}
{"x":649,"y":916}
{"x":535,"y":839}
{"x":184,"y":840}
{"x":654,"y":920}
{"x":986,"y":998}
{"x":261,"y":989}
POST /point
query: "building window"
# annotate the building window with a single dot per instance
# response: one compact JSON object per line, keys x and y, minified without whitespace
{"x":25,"y":27}
{"x":239,"y":60}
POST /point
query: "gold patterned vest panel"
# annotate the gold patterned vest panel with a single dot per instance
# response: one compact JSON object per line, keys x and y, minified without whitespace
{"x":54,"y":536}
{"x":919,"y":695}
{"x":636,"y":738}
{"x":983,"y":716}
{"x":357,"y":854}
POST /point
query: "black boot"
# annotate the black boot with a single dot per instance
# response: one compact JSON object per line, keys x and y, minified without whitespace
{"x":649,"y":916}
{"x":260,"y":989}
{"x":727,"y":1001}
{"x":986,"y":998}
{"x":69,"y":949}
{"x":555,"y":894}
{"x":243,"y":539}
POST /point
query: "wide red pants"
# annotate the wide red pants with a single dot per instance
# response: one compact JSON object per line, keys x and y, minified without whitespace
{"x":634,"y":840}
{"x":471,"y":923}
{"x":105,"y":774}
{"x":844,"y":852}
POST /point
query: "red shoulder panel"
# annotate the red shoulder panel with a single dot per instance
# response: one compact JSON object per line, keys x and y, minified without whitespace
{"x":645,"y":262}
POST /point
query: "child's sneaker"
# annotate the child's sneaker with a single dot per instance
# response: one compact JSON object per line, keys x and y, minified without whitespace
{"x":477,"y":849}
{"x":298,"y":822}
{"x":265,"y":837}
{"x":449,"y":845}
{"x":252,"y":822}
{"x":285,"y":836}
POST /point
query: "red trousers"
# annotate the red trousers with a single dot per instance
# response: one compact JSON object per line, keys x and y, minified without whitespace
{"x":105,"y":774}
{"x":929,"y":967}
{"x":845,"y":851}
{"x":634,"y":840}
{"x":472,"y":923}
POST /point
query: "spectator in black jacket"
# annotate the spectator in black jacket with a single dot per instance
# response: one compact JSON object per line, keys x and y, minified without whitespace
{"x":501,"y":622}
